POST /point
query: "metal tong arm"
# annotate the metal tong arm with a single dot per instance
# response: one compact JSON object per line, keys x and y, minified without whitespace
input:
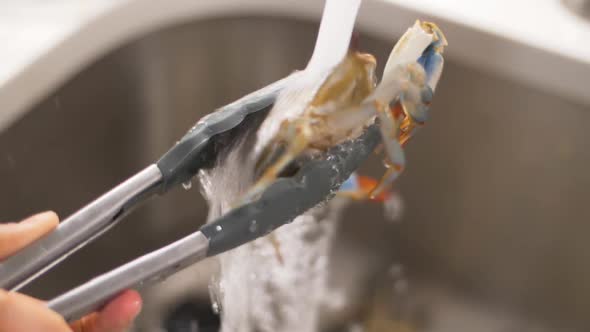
{"x":76,"y":231}
{"x":284,"y":200}
{"x":193,"y":152}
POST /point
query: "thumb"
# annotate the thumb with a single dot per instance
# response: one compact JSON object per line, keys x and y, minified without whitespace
{"x":19,"y":312}
{"x":16,"y":236}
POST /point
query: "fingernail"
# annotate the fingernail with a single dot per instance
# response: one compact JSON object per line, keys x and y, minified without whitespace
{"x":39,"y":217}
{"x":135,"y":303}
{"x":137,"y":307}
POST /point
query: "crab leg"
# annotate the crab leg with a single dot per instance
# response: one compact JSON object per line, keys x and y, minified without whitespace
{"x":415,"y":88}
{"x":297,"y":135}
{"x":396,"y":160}
{"x":416,"y":102}
{"x":358,"y":187}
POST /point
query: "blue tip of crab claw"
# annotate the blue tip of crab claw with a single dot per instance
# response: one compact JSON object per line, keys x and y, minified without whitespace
{"x":432,"y":62}
{"x":351,"y":184}
{"x":421,"y":113}
{"x":426,"y":95}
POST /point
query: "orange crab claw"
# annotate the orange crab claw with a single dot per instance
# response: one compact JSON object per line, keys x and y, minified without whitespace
{"x":367,"y":184}
{"x":397,"y":111}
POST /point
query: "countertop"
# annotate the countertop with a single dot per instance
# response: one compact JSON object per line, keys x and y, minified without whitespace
{"x":537,"y":42}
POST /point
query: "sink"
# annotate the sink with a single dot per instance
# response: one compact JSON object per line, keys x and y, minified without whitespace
{"x":494,"y":234}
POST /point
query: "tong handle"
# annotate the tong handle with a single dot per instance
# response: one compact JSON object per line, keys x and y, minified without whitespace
{"x":76,"y":231}
{"x":147,"y":269}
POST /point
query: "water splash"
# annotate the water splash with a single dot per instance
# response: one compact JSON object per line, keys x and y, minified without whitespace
{"x":215,"y":307}
{"x":214,"y":295}
{"x":394,"y":207}
{"x":187,"y":185}
{"x":253,"y":226}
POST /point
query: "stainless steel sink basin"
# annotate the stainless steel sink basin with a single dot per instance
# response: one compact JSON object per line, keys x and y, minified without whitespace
{"x":494,"y":236}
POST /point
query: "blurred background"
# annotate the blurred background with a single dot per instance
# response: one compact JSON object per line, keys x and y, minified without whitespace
{"x":495,"y":224}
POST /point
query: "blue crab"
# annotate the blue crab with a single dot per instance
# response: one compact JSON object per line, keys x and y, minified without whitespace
{"x":348,"y":100}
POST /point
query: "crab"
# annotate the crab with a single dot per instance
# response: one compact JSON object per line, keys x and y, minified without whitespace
{"x":349,"y":99}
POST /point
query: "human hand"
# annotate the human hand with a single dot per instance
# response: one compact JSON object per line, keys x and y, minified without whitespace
{"x":21,"y":313}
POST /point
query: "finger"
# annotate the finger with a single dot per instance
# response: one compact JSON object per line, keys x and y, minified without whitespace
{"x":116,"y":316}
{"x":19,"y":312}
{"x":16,"y":236}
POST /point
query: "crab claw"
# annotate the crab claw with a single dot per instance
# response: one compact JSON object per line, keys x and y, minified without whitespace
{"x":418,"y":96}
{"x":416,"y":100}
{"x":432,"y":59}
{"x":406,"y":51}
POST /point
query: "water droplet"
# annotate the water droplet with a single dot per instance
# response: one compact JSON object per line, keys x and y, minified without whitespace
{"x":215,"y":307}
{"x":57,"y":102}
{"x":396,"y":271}
{"x":215,"y":295}
{"x":397,"y":277}
{"x":394,"y":207}
{"x":401,"y":286}
{"x":187,"y":185}
{"x":253,"y":226}
{"x":218,"y":228}
{"x":356,"y":328}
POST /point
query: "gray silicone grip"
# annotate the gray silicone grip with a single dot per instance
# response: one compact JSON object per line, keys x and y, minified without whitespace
{"x":194,"y":152}
{"x":287,"y":198}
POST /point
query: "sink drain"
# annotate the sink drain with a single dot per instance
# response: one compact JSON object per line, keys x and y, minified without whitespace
{"x":192,"y":316}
